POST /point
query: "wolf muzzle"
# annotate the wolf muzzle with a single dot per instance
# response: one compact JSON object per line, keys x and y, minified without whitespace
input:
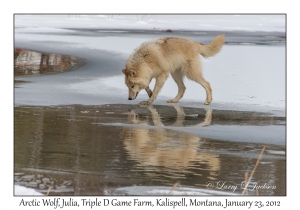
{"x":134,"y":97}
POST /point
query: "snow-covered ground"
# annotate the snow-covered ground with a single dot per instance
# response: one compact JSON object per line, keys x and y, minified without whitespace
{"x":21,"y":190}
{"x":154,"y":22}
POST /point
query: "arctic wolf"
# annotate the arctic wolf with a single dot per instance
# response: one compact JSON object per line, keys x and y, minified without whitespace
{"x":158,"y":58}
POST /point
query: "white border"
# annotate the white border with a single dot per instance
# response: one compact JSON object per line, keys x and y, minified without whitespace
{"x":153,"y":6}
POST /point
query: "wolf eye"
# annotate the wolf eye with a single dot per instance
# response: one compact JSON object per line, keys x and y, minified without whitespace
{"x":132,"y":86}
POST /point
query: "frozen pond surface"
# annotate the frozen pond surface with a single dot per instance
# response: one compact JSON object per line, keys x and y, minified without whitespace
{"x":107,"y":145}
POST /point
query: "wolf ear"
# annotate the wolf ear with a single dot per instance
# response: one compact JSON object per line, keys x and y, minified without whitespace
{"x":124,"y":71}
{"x":132,"y":73}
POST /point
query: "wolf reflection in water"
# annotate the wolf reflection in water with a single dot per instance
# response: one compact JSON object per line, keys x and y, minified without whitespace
{"x":160,"y":147}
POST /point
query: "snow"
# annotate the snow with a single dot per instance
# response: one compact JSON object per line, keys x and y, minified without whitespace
{"x":125,"y":45}
{"x":157,"y":22}
{"x":165,"y":191}
{"x":21,"y":190}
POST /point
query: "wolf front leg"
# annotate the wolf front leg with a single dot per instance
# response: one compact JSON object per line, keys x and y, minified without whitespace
{"x":158,"y":85}
{"x":149,"y":91}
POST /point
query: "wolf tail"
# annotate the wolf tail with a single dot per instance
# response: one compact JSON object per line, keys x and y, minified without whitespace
{"x":207,"y":50}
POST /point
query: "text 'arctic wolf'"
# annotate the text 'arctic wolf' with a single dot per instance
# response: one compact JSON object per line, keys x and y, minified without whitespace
{"x":157,"y":58}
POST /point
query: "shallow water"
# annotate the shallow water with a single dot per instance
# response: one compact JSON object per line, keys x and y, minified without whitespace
{"x":95,"y":150}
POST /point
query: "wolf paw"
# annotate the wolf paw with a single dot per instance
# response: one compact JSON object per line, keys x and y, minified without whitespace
{"x":144,"y":103}
{"x":172,"y":101}
{"x":207,"y":102}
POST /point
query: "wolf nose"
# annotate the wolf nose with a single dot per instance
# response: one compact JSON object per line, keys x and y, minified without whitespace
{"x":129,"y":98}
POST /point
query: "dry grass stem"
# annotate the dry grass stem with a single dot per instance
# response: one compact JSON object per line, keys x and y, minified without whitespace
{"x":49,"y":190}
{"x":176,"y":185}
{"x":246,"y":180}
{"x":257,"y":162}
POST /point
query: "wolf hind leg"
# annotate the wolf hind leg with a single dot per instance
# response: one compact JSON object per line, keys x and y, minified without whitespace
{"x":195,"y":73}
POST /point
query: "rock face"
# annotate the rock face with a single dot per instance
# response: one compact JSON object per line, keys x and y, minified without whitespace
{"x":28,"y":62}
{"x":169,"y":30}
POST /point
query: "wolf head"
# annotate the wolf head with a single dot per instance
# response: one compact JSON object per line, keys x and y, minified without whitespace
{"x":134,"y":83}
